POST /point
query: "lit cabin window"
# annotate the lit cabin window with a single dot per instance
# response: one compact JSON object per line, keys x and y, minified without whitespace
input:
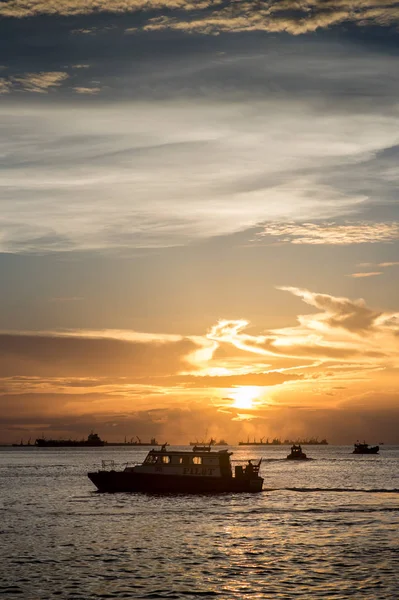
{"x":166,"y":459}
{"x":183,"y":460}
{"x":197,"y":460}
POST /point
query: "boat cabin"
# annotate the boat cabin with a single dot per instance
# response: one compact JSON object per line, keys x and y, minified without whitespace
{"x":193,"y":464}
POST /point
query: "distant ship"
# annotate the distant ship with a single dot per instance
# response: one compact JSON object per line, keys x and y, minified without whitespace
{"x":211,"y":442}
{"x":278,"y":442}
{"x":93,"y":439}
{"x":138,"y":442}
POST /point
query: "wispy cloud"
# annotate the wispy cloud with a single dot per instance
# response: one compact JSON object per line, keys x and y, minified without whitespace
{"x":332,"y":233}
{"x":365,"y":274}
{"x":39,"y":82}
{"x":221,"y":168}
{"x":381,"y":265}
{"x":87,"y":90}
{"x":5,"y":85}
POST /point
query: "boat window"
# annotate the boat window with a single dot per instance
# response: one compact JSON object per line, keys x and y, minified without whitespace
{"x":150,"y":459}
{"x":184,"y":460}
{"x":197,"y":460}
{"x":166,"y":459}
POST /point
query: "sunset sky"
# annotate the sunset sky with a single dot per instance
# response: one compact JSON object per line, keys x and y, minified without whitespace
{"x":199,"y":225}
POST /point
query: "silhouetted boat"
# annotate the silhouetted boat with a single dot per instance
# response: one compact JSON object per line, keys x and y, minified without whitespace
{"x":278,"y":442}
{"x":173,"y":471}
{"x":202,"y":448}
{"x":211,"y":442}
{"x":152,"y":442}
{"x":365,"y":449}
{"x":296,"y":453}
{"x":92,"y":440}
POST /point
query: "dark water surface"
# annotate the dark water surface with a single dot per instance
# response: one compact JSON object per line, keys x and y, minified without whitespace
{"x":326,"y":528}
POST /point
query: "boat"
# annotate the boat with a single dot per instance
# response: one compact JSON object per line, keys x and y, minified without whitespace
{"x":137,"y":442}
{"x":296,"y":453}
{"x":260,"y":443}
{"x":277,"y":442}
{"x":363,"y":448}
{"x":180,"y":471}
{"x":202,"y":448}
{"x":211,"y":442}
{"x":93,"y":439}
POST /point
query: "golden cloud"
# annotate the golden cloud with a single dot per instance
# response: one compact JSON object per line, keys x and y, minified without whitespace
{"x":332,"y":233}
{"x":370,"y":274}
{"x":87,"y":90}
{"x":215,"y":16}
{"x":39,"y":82}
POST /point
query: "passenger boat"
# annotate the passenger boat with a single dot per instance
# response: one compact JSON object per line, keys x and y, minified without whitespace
{"x":296,"y":453}
{"x":177,"y":471}
{"x":365,"y":449}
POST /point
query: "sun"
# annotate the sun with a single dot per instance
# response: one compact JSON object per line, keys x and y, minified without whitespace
{"x":244,"y":396}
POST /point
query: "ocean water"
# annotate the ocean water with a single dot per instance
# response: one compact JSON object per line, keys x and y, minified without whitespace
{"x":326,"y":528}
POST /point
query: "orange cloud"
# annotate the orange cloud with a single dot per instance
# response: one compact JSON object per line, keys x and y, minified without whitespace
{"x":369,"y":274}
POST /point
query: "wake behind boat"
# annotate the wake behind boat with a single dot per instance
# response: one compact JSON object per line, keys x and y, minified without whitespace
{"x":365,"y":449}
{"x":172,"y":471}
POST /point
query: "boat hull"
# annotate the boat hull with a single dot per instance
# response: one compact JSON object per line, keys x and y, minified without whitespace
{"x":373,"y":450}
{"x":121,"y":481}
{"x":304,"y":457}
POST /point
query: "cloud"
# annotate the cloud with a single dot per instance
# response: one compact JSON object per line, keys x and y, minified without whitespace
{"x":221,"y":168}
{"x":118,"y":376}
{"x":381,"y":265}
{"x":332,"y":233}
{"x":369,"y":274}
{"x":90,"y":355}
{"x":87,"y":90}
{"x":216,"y":16}
{"x":352,"y":315}
{"x":39,"y":82}
{"x":5,"y":85}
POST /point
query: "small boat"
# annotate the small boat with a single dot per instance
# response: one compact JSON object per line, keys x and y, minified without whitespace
{"x":177,"y":471}
{"x":296,"y":453}
{"x":365,"y":449}
{"x":202,"y":448}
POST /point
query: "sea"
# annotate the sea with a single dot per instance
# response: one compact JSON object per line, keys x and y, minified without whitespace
{"x":323,"y":528}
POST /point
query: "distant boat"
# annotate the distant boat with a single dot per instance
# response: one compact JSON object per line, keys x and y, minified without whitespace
{"x":202,"y":448}
{"x":278,"y":442}
{"x":275,"y":442}
{"x":211,"y":442}
{"x":152,"y":442}
{"x":297,"y":453}
{"x":365,"y":449}
{"x":93,"y":439}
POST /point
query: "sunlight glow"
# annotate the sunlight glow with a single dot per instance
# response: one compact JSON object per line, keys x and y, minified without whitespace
{"x":244,"y":396}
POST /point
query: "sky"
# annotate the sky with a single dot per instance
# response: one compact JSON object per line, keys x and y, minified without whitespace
{"x":199,"y":224}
